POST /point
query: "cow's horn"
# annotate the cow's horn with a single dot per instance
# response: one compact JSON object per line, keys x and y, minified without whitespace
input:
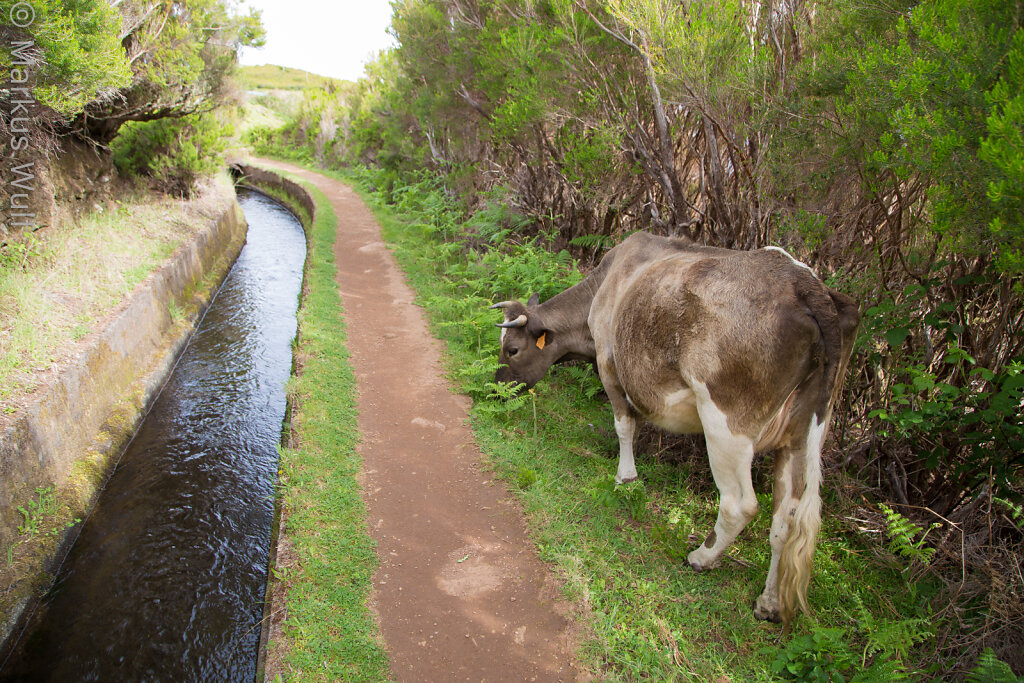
{"x":518,"y":322}
{"x":501,"y":304}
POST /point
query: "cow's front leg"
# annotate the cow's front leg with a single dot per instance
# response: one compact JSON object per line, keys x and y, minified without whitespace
{"x":625,"y":421}
{"x":625,"y":428}
{"x":730,"y":456}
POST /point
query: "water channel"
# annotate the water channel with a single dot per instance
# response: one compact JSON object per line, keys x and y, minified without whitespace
{"x":166,"y":580}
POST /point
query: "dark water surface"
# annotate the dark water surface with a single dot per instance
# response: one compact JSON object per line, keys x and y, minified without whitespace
{"x":167,"y":579}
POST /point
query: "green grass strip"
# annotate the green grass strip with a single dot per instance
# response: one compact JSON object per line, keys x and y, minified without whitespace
{"x":330,"y":633}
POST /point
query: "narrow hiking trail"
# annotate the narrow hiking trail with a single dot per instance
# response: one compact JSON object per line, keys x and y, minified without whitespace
{"x":460,"y":593}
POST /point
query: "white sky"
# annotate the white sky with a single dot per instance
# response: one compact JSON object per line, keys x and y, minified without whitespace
{"x":328,"y":38}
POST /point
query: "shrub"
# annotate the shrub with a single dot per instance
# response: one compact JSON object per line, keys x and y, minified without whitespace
{"x":173,"y":153}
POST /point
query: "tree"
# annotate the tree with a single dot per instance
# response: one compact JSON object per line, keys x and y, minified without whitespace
{"x":180,"y":53}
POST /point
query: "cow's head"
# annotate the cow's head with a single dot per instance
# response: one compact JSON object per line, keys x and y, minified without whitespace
{"x":527,"y":347}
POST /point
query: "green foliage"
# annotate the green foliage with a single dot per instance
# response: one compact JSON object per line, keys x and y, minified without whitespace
{"x":631,"y":497}
{"x":525,"y":477}
{"x":504,"y":398}
{"x":811,"y":228}
{"x":21,"y":252}
{"x":1003,"y":150}
{"x":173,"y":153}
{"x":589,"y":381}
{"x":43,"y":505}
{"x":80,"y":52}
{"x":820,"y":656}
{"x":990,"y":669}
{"x":903,"y":536}
{"x":1016,"y":511}
{"x":928,"y":97}
{"x":672,"y":536}
{"x":962,"y":419}
{"x":38,"y":511}
{"x":97,"y":64}
{"x":890,"y":639}
{"x":827,"y":655}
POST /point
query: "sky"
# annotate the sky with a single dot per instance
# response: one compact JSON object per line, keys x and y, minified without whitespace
{"x":331,"y":38}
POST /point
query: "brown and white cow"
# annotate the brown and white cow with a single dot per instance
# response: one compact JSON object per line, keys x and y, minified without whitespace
{"x":747,"y":347}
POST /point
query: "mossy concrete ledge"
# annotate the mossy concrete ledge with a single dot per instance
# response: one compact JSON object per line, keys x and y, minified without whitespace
{"x":65,"y":443}
{"x":274,"y":183}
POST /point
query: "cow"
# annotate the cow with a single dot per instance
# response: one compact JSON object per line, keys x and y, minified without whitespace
{"x":747,"y":347}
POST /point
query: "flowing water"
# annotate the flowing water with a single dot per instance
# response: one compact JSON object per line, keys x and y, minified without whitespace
{"x":167,"y":578}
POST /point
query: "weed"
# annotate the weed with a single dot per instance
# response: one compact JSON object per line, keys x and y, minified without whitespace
{"x":631,"y":496}
{"x":175,"y":311}
{"x":43,"y":505}
{"x":819,"y":656}
{"x":525,"y":477}
{"x":890,"y":639}
{"x":20,"y":254}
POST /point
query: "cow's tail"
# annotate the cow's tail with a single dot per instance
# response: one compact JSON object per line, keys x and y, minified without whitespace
{"x":797,"y":558}
{"x":837,"y":319}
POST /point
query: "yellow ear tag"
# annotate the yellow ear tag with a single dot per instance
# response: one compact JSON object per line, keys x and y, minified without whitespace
{"x":540,"y":340}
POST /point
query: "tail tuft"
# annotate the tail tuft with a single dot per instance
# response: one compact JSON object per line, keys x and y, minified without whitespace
{"x":797,"y":559}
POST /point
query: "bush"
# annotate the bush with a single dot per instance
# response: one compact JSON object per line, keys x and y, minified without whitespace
{"x":173,"y":153}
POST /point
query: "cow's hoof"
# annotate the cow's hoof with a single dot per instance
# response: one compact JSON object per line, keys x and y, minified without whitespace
{"x":699,"y":563}
{"x":625,"y":480}
{"x":766,"y":613}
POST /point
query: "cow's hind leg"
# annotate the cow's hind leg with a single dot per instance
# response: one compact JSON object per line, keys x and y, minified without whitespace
{"x":730,"y":456}
{"x":796,"y":466}
{"x":784,"y":501}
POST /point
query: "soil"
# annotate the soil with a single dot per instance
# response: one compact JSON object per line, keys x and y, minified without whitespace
{"x":460,"y":593}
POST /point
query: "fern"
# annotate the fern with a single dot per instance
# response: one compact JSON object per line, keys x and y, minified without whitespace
{"x":504,"y":399}
{"x":890,"y":638}
{"x":902,"y":534}
{"x":589,"y":383}
{"x":592,"y":240}
{"x":991,"y":669}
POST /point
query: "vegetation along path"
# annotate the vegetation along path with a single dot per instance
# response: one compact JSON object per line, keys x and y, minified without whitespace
{"x":460,"y":592}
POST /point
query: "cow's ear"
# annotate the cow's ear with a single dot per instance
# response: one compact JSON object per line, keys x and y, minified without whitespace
{"x":542,"y":340}
{"x":534,"y":300}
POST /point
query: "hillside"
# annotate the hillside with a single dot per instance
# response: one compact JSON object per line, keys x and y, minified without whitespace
{"x":273,"y":77}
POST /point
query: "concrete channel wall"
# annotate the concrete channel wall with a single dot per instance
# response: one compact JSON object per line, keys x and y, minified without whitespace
{"x":68,"y":439}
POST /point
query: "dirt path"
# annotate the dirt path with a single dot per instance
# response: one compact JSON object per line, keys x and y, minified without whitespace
{"x":460,"y":592}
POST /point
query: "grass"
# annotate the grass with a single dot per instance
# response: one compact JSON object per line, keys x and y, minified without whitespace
{"x":620,"y":551}
{"x":255,"y":114}
{"x":60,"y":286}
{"x":273,"y":77}
{"x":330,"y":633}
